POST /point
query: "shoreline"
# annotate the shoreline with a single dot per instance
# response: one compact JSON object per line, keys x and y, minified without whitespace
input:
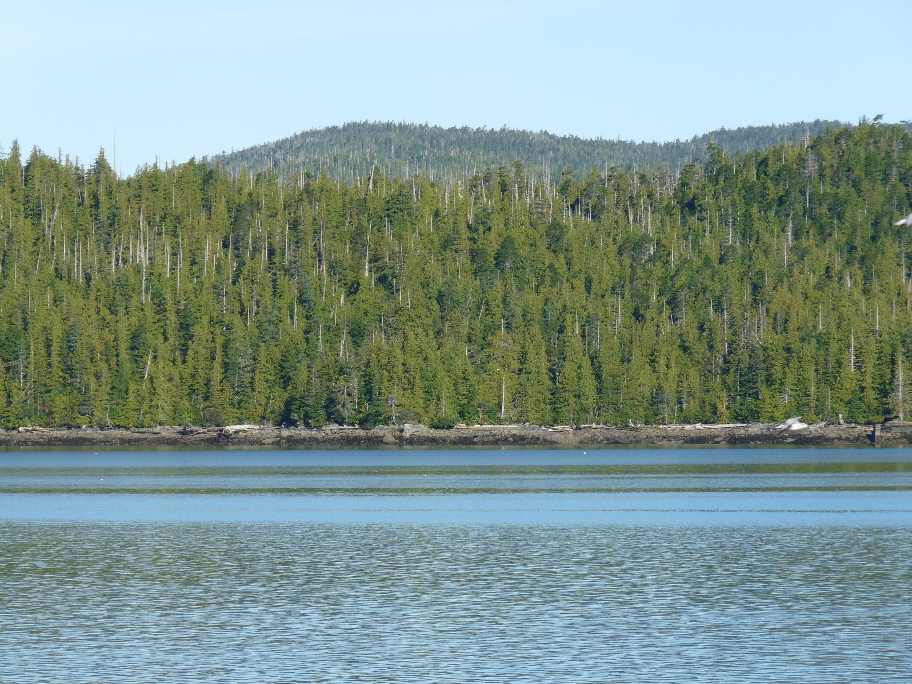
{"x":336,"y":437}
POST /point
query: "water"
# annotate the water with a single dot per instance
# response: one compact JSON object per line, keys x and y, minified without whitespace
{"x":457,"y":566}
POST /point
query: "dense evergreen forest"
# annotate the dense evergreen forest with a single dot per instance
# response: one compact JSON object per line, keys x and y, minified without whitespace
{"x":753,"y":286}
{"x":447,"y":154}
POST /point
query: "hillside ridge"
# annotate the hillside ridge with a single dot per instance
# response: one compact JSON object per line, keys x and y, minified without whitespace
{"x":404,"y":149}
{"x":747,"y":288}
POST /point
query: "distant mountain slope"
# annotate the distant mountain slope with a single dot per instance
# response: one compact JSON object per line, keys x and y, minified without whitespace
{"x":402,"y":149}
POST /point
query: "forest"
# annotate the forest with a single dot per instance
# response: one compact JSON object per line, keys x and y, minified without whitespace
{"x":747,"y":286}
{"x":447,"y":154}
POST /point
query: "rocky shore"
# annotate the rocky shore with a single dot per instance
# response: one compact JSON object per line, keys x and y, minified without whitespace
{"x":341,"y":437}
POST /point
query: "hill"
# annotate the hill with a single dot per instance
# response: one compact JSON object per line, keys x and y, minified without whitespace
{"x":402,"y":149}
{"x":743,"y":288}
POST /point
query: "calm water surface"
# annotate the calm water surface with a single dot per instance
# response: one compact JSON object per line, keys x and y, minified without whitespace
{"x":457,"y":566}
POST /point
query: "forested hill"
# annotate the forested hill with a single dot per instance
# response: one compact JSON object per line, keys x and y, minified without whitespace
{"x":754,"y":286}
{"x":402,"y":150}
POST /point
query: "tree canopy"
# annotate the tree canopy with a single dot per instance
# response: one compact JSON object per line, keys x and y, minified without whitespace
{"x":445,"y":154}
{"x":750,"y":286}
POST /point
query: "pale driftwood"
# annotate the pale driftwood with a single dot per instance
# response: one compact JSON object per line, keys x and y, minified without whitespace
{"x":700,"y":426}
{"x":793,"y":423}
{"x":463,"y":426}
{"x":229,"y":430}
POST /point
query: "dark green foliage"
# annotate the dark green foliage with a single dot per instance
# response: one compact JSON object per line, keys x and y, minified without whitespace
{"x":746,"y":287}
{"x":444,"y":154}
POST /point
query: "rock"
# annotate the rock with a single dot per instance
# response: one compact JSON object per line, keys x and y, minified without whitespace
{"x":409,"y":429}
{"x":191,"y":436}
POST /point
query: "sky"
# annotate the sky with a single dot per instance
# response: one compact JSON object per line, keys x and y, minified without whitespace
{"x":172,"y":79}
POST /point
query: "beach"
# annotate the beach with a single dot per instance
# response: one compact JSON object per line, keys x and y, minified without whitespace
{"x":409,"y":435}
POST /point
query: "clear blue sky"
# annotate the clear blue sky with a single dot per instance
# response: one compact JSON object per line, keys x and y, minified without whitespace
{"x":192,"y":77}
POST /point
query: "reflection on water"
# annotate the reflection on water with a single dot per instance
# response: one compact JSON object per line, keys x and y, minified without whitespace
{"x":632,"y":569}
{"x":460,"y":479}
